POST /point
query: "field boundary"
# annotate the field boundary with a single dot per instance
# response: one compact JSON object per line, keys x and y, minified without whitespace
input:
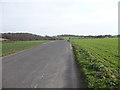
{"x":79,"y":67}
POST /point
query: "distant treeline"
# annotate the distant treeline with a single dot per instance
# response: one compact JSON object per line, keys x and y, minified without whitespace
{"x":25,"y":37}
{"x":30,"y":37}
{"x":89,"y":36}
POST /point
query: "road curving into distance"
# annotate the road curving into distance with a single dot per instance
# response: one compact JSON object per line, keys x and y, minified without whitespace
{"x":49,"y":65}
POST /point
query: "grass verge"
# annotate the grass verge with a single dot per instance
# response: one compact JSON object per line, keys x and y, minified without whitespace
{"x":13,"y":47}
{"x":99,"y":72}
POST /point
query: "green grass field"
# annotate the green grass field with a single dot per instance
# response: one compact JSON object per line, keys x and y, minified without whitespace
{"x":68,"y":38}
{"x":98,"y":59}
{"x":13,"y":47}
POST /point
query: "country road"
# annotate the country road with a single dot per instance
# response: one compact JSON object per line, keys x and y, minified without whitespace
{"x":49,"y":65}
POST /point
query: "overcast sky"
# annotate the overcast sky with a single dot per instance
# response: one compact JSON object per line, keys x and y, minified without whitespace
{"x":53,"y":17}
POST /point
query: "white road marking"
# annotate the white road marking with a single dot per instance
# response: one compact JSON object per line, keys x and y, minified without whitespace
{"x":40,"y":79}
{"x":42,"y":76}
{"x":35,"y":86}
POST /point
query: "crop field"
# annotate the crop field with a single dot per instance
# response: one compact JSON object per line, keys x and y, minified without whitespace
{"x":67,"y":38}
{"x":98,"y":60}
{"x":13,"y":47}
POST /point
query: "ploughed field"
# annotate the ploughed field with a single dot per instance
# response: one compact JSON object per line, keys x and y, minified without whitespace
{"x":98,"y":60}
{"x":16,"y":46}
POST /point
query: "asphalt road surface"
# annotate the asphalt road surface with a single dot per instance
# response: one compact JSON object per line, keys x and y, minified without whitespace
{"x":49,"y":65}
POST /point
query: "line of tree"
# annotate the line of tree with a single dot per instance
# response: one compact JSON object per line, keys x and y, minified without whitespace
{"x":25,"y":37}
{"x":89,"y":36}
